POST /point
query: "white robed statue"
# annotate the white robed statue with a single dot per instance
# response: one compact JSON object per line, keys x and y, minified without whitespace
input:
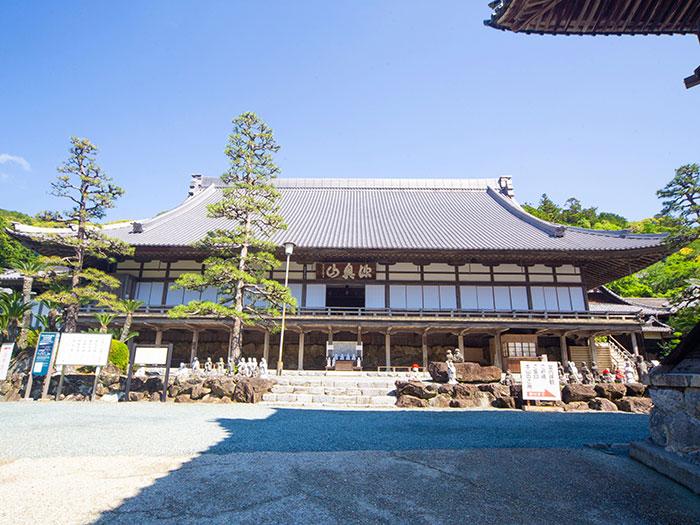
{"x":263,"y":368}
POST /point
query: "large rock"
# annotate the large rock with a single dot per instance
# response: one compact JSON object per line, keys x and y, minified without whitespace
{"x":416,"y":389}
{"x":577,"y":392}
{"x":497,"y":389}
{"x":251,"y":390}
{"x":183,"y":398}
{"x":603,"y":404}
{"x":221,"y":386}
{"x":198,"y":392}
{"x":638,"y":405}
{"x":466,"y":372}
{"x":576,"y":405}
{"x":470,"y":396}
{"x":635,"y":389}
{"x":504,"y":402}
{"x":109,"y":375}
{"x":611,"y":391}
{"x":440,"y":401}
{"x":411,"y":402}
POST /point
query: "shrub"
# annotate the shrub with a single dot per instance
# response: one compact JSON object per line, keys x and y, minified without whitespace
{"x":119,"y":355}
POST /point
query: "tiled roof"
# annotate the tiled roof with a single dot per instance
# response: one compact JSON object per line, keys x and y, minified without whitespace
{"x":440,"y":214}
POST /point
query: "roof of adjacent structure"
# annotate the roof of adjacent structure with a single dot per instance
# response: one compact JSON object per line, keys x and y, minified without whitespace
{"x":596,"y":17}
{"x":602,"y":299}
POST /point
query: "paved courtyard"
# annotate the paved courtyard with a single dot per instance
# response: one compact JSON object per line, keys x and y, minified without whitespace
{"x":167,"y":463}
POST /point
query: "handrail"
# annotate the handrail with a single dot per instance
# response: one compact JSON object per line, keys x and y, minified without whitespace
{"x":420,"y":313}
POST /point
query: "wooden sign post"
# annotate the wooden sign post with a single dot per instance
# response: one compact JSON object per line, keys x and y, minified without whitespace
{"x":83,"y":350}
{"x":150,"y":355}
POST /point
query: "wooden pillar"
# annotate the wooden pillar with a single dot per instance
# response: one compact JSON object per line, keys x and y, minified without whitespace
{"x":387,"y":349}
{"x":159,"y":336}
{"x":498,"y":354}
{"x":300,"y":362}
{"x":593,"y":349}
{"x":635,"y":344}
{"x":359,"y":335}
{"x":460,"y":342}
{"x":330,"y":335}
{"x":195,"y":342}
{"x":564,"y":350}
{"x":266,"y":347}
{"x":425,"y":350}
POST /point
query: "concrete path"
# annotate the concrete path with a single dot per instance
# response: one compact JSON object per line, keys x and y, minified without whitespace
{"x":154,"y":463}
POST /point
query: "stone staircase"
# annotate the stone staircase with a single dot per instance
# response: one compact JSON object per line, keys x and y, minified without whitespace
{"x":316,"y":389}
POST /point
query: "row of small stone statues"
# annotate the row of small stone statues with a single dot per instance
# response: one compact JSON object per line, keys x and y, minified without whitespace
{"x":592,"y":375}
{"x":249,"y":368}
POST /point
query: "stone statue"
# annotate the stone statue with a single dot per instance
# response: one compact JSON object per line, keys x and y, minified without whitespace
{"x":641,"y":367}
{"x":250,"y":372}
{"x":242,"y":367}
{"x":586,"y":373}
{"x":329,"y":362}
{"x":574,"y":376}
{"x":451,"y":373}
{"x":263,"y":368}
{"x":449,"y":356}
{"x":457,"y":357}
{"x":359,"y":362}
{"x":629,"y":372}
{"x":335,"y":358}
{"x":607,"y":376}
{"x":508,"y":379}
{"x":182,"y":370}
{"x":256,"y":368}
{"x":595,"y":372}
{"x":619,"y":377}
{"x":220,"y":367}
{"x":195,"y":365}
{"x":208,"y":365}
{"x":563,"y":377}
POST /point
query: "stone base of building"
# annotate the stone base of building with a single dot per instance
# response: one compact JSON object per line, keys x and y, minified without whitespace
{"x":669,"y":464}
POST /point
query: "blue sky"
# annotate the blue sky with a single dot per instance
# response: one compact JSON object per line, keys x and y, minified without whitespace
{"x":351,"y":88}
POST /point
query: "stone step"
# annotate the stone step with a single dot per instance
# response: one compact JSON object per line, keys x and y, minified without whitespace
{"x":331,"y":391}
{"x":290,"y":398}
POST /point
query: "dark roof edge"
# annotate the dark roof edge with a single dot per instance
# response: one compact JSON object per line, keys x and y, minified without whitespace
{"x":627,"y":301}
{"x":554,"y":230}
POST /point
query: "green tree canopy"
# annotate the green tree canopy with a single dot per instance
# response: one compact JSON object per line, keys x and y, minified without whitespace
{"x":82,"y":182}
{"x":242,"y":256}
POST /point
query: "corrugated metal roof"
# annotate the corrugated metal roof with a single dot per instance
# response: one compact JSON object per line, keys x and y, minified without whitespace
{"x":441,"y":214}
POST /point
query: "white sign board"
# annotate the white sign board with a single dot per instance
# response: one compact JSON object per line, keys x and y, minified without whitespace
{"x":540,"y":380}
{"x":151,"y":355}
{"x":5,"y":356}
{"x":83,"y":349}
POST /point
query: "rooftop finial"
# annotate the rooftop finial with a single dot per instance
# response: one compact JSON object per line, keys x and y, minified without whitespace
{"x":196,"y":184}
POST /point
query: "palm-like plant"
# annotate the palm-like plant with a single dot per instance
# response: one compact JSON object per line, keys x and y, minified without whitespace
{"x":104,"y":319}
{"x":29,"y":270}
{"x":128,"y":306}
{"x":12,"y":310}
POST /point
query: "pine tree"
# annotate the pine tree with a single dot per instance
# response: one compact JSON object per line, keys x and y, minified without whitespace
{"x":241,"y":256}
{"x":92,"y":192}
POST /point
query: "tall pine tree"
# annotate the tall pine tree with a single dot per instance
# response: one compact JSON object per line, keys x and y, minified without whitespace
{"x":92,"y":192}
{"x":241,"y":256}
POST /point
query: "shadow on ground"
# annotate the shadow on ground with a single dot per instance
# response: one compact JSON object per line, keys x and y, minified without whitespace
{"x":322,"y":466}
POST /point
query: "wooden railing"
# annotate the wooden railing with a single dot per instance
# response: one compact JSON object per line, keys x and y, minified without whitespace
{"x":420,"y":313}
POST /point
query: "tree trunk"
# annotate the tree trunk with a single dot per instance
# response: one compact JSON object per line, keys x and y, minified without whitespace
{"x":27,"y":283}
{"x":126,"y":327}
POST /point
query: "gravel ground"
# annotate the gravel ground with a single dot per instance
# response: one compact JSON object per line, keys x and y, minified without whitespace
{"x":34,"y":430}
{"x":71,"y":463}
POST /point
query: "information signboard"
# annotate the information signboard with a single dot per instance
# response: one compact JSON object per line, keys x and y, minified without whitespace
{"x":540,"y":380}
{"x":44,"y":351}
{"x":5,"y":356}
{"x":151,"y":355}
{"x":84,"y":349}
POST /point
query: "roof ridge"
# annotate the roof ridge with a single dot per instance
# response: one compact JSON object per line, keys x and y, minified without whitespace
{"x":372,"y":183}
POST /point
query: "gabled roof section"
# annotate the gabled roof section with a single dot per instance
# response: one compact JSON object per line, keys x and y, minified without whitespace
{"x":390,"y":214}
{"x":596,"y":17}
{"x":602,"y":299}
